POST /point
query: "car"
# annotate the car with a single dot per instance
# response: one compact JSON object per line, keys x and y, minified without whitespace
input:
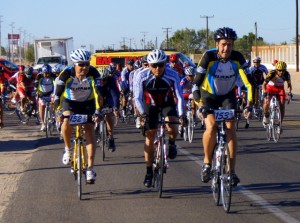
{"x":101,"y":59}
{"x":9,"y":68}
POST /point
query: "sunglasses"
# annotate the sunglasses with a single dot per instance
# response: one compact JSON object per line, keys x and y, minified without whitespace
{"x":83,"y":64}
{"x":160,"y":65}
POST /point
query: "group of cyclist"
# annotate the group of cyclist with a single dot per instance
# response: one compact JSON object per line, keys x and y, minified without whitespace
{"x":158,"y":87}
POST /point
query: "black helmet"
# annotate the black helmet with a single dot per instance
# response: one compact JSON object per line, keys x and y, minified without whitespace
{"x":130,"y":62}
{"x":225,"y":33}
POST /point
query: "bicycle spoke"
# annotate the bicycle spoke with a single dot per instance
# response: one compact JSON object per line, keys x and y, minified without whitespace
{"x":226,"y":179}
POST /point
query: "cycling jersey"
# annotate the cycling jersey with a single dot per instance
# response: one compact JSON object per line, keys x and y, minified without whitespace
{"x":125,"y":79}
{"x":275,"y":80}
{"x":158,"y":91}
{"x":220,"y":77}
{"x":257,"y":74}
{"x":45,"y":86}
{"x":110,"y":93}
{"x":73,"y":89}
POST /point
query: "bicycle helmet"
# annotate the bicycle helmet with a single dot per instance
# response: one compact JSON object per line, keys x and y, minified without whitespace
{"x":46,"y":68}
{"x":173,"y":58}
{"x":28,"y":71}
{"x":225,"y":33}
{"x":144,"y":59}
{"x":280,"y":65}
{"x":111,"y":68}
{"x":130,"y":62}
{"x":257,"y":59}
{"x":189,"y":71}
{"x":57,"y":68}
{"x":80,"y":55}
{"x":156,"y":56}
{"x":21,"y":67}
{"x":137,"y":64}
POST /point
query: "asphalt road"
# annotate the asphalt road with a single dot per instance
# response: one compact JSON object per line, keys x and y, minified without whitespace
{"x":46,"y":191}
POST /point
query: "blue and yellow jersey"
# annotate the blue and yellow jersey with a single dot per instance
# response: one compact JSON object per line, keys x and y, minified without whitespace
{"x":70,"y":87}
{"x":220,"y":77}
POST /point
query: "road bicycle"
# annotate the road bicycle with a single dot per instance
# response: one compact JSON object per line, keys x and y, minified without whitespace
{"x":160,"y":163}
{"x":79,"y":158}
{"x":49,"y":119}
{"x":273,"y":128}
{"x":188,"y":131}
{"x":258,"y":110}
{"x":221,"y":183}
{"x":129,"y":114}
{"x":30,"y":109}
{"x":239,"y":111}
{"x":102,"y":132}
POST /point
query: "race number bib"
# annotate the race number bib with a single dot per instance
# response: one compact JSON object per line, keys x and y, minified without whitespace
{"x":222,"y":115}
{"x":78,"y":119}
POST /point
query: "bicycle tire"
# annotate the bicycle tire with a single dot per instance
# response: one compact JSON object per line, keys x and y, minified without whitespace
{"x":23,"y":117}
{"x":190,"y":128}
{"x":159,"y":167}
{"x":161,"y":164}
{"x":215,"y":178}
{"x":46,"y":122}
{"x":104,"y":138}
{"x":269,"y":131}
{"x":276,"y":125}
{"x":185,"y":133}
{"x":79,"y":169}
{"x":226,"y":179}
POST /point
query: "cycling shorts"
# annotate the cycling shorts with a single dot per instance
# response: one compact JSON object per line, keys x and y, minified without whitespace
{"x":276,"y":90}
{"x":153,"y":114}
{"x":213,"y":101}
{"x":76,"y":107}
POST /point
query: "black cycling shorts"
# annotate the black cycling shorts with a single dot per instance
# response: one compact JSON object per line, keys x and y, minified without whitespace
{"x":213,"y":101}
{"x":153,"y":114}
{"x":86,"y":107}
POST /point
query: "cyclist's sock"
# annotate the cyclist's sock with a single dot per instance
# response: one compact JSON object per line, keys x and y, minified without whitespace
{"x":66,"y":149}
{"x":172,"y":142}
{"x":149,"y":170}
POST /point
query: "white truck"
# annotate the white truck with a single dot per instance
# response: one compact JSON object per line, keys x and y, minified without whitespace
{"x":52,"y":51}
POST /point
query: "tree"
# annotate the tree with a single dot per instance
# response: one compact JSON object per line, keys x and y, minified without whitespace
{"x":29,"y":54}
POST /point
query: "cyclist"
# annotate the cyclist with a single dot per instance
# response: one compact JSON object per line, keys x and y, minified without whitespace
{"x":2,"y":91}
{"x":186,"y":84}
{"x":175,"y":64}
{"x":219,"y":71}
{"x":77,"y":92}
{"x":45,"y":86}
{"x":109,"y":94}
{"x":25,"y":86}
{"x":125,"y":84}
{"x":158,"y":88}
{"x":274,"y":84}
{"x":257,"y":76}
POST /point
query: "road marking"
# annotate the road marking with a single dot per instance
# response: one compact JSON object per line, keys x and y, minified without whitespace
{"x":285,"y":217}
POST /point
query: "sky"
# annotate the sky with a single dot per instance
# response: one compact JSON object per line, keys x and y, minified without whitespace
{"x":99,"y":24}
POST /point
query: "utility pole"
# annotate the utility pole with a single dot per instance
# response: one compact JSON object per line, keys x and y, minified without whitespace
{"x":20,"y":54}
{"x":0,"y":36}
{"x":124,"y":42}
{"x":144,"y":39}
{"x":11,"y":56}
{"x":207,"y":17}
{"x":255,"y":26}
{"x":130,"y":43}
{"x":297,"y":39}
{"x":167,"y":31}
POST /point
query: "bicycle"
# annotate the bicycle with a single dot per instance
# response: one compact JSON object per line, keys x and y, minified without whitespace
{"x":258,"y":110}
{"x":48,"y":117}
{"x":273,"y":128}
{"x":30,"y":109}
{"x":221,"y":183}
{"x":160,"y":163}
{"x":102,"y":132}
{"x":239,"y":110}
{"x":188,"y":132}
{"x":129,"y":114}
{"x":79,"y":159}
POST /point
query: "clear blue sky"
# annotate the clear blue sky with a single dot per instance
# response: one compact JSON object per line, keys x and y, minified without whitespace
{"x":104,"y":23}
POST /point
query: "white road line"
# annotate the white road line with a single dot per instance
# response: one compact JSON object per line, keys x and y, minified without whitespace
{"x":285,"y":217}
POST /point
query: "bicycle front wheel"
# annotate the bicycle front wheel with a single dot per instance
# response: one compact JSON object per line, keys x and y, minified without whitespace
{"x":215,"y":174}
{"x":103,"y":133}
{"x":158,"y":177}
{"x":226,"y":179}
{"x":79,"y":169}
{"x":276,"y":125}
{"x":190,"y":128}
{"x":46,"y":122}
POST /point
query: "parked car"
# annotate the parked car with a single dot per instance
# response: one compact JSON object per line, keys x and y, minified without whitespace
{"x":9,"y":68}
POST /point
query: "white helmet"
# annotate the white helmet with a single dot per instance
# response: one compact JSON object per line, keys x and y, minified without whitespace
{"x":189,"y":71}
{"x":57,"y":68}
{"x":156,"y":56}
{"x":80,"y":55}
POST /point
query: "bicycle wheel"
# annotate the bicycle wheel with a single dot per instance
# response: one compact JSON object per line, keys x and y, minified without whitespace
{"x":190,"y":128}
{"x":269,"y":131}
{"x":276,"y":125}
{"x":158,"y":176}
{"x":103,"y":133}
{"x":185,"y":133}
{"x":226,"y":179}
{"x":46,"y":121}
{"x":79,"y":169}
{"x":22,"y":116}
{"x":215,"y":178}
